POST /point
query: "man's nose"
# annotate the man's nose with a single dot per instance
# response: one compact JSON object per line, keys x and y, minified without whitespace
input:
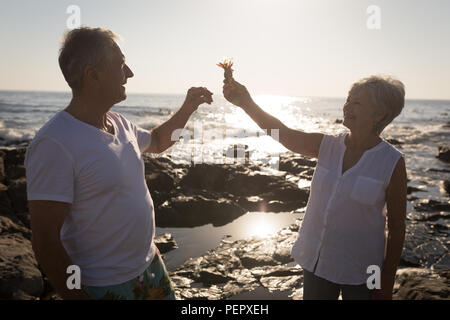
{"x":129,"y":73}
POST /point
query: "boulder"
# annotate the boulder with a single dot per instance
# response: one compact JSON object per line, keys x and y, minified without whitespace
{"x":432,"y":205}
{"x":444,"y":154}
{"x":422,"y":284}
{"x":13,"y":159}
{"x":165,"y":243}
{"x":17,"y":191}
{"x":11,"y":224}
{"x":20,"y":277}
{"x":446,"y":184}
{"x":394,"y":141}
{"x":197,"y":210}
{"x":2,"y":167}
{"x":5,"y":201}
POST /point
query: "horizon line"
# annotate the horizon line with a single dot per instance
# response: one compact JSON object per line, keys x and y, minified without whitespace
{"x":179,"y":94}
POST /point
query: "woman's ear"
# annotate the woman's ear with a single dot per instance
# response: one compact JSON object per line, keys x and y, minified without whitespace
{"x":380,"y":115}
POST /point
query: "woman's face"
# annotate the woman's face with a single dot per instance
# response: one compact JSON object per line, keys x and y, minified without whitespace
{"x":359,"y":112}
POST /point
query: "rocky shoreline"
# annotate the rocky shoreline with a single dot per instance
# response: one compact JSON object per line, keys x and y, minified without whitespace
{"x":195,"y":195}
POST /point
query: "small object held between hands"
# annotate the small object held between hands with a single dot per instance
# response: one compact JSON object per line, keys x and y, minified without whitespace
{"x":226,"y":64}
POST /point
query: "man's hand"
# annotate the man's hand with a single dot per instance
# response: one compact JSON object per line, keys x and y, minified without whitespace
{"x":237,"y":94}
{"x":47,"y":218}
{"x":196,"y":96}
{"x":162,"y":135}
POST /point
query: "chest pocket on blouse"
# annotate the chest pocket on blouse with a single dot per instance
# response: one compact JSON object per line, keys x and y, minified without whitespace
{"x":319,"y":176}
{"x":367,"y":190}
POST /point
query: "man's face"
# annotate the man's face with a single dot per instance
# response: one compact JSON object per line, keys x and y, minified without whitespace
{"x":113,"y":75}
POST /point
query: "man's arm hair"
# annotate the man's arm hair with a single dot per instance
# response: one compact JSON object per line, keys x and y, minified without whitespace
{"x":47,"y":218}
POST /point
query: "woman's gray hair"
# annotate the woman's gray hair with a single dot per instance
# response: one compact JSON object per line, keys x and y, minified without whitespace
{"x":82,"y":47}
{"x":388,"y":94}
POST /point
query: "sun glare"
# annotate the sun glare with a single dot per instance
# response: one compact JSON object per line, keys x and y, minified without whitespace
{"x":262,"y":228}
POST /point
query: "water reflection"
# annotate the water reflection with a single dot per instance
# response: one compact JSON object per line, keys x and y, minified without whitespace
{"x":193,"y":242}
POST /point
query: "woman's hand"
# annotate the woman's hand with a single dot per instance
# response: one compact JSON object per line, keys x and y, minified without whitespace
{"x":237,"y":94}
{"x":196,"y":96}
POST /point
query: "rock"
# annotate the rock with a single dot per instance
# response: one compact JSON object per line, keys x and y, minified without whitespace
{"x":192,"y":211}
{"x":253,"y":203}
{"x":432,"y":205}
{"x":338,"y":121}
{"x":444,"y":154}
{"x":245,"y":267}
{"x":161,"y":174}
{"x":13,"y":159}
{"x":295,"y":164}
{"x":12,"y":224}
{"x":205,"y":176}
{"x":160,"y":181}
{"x":5,"y":202}
{"x":250,"y":183}
{"x":20,"y":277}
{"x":428,"y":216}
{"x":424,"y":246}
{"x":276,"y":271}
{"x":422,"y":284}
{"x":17,"y":191}
{"x":209,"y":276}
{"x":257,"y":253}
{"x":437,"y":170}
{"x":2,"y":168}
{"x":165,"y":243}
{"x":443,"y":263}
{"x":239,"y":268}
{"x":446,"y":184}
{"x":278,"y":283}
{"x":394,"y":141}
{"x":410,"y":190}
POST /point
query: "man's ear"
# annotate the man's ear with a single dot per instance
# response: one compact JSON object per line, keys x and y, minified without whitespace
{"x":90,"y":74}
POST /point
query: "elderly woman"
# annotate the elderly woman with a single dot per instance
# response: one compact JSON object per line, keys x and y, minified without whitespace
{"x":341,"y":243}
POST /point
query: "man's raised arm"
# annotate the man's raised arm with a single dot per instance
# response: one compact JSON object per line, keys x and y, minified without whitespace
{"x":162,"y":135}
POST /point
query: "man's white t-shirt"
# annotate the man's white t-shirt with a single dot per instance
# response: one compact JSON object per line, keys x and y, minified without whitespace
{"x":110,"y":226}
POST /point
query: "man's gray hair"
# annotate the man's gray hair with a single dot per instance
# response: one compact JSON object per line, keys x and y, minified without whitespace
{"x":82,"y":47}
{"x":388,"y":94}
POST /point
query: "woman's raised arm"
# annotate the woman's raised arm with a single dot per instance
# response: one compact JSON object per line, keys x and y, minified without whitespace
{"x":297,"y":141}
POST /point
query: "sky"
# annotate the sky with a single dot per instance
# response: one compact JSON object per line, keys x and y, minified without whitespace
{"x":279,"y":47}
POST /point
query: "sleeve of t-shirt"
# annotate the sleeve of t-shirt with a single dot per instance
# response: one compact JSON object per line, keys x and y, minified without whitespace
{"x":143,"y":137}
{"x":49,"y":171}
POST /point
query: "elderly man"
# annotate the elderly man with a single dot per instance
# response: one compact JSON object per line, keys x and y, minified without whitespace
{"x":87,"y":195}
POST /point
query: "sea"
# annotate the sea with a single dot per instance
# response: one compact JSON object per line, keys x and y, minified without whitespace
{"x":213,"y":130}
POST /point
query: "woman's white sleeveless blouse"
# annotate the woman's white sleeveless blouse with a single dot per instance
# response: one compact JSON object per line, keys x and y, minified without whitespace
{"x":343,"y":228}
